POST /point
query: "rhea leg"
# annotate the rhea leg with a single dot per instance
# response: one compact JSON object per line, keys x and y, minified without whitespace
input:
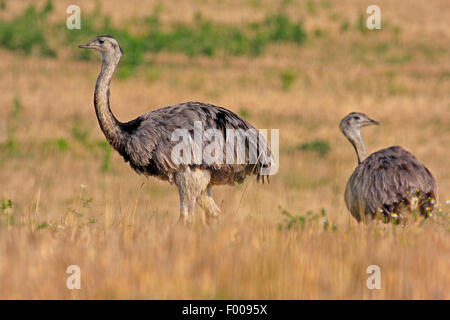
{"x":206,"y":202}
{"x":190,"y":183}
{"x":183,"y":205}
{"x":186,"y":204}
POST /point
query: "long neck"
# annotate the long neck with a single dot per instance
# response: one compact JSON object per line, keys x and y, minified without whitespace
{"x":108,"y":123}
{"x":356,"y":140}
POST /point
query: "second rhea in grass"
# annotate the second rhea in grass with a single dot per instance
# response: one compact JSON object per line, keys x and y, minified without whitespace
{"x":147,"y":141}
{"x":390,"y":182}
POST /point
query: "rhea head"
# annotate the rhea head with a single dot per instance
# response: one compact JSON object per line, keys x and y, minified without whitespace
{"x":351,"y":127}
{"x":354,"y":121}
{"x":108,"y":47}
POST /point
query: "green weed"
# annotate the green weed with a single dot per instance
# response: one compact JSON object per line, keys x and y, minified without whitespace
{"x":58,"y":144}
{"x":78,"y":132}
{"x":106,"y":155}
{"x":288,"y":78}
{"x":319,"y":146}
{"x":42,"y":226}
{"x":244,"y":113}
{"x":203,"y":37}
{"x":27,"y":32}
{"x":309,"y":219}
{"x":6,"y":204}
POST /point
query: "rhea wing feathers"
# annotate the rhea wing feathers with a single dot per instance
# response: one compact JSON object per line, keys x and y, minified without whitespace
{"x":149,"y":146}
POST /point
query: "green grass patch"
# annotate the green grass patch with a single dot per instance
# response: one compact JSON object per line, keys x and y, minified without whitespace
{"x":361,"y":24}
{"x":42,"y":225}
{"x":318,"y":33}
{"x":7,"y":215}
{"x":30,"y":31}
{"x":311,"y":7}
{"x":11,"y":147}
{"x":244,"y":113}
{"x":106,"y":155}
{"x":319,"y":146}
{"x":27,"y":32}
{"x":202,"y":37}
{"x":399,"y":58}
{"x":287,"y":78}
{"x":17,"y":109}
{"x":78,"y":131}
{"x":300,"y":182}
{"x":310,"y":218}
{"x":6,"y":205}
{"x":58,"y":144}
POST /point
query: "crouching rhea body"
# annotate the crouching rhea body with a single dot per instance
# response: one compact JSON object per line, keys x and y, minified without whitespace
{"x":390,"y":183}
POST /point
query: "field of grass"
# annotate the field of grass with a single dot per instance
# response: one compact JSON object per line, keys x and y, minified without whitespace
{"x":299,"y":66}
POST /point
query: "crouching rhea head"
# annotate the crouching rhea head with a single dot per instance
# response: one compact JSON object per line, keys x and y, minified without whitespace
{"x":351,"y":127}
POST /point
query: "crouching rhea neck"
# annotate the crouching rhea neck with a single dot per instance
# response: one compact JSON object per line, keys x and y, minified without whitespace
{"x":354,"y":136}
{"x":351,"y":127}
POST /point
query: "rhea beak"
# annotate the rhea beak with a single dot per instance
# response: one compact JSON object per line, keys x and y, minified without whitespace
{"x":370,"y":122}
{"x":88,"y":46}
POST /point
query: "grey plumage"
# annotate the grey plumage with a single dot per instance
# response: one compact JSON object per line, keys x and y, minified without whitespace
{"x":389,"y":181}
{"x":148,"y":146}
{"x":145,"y":142}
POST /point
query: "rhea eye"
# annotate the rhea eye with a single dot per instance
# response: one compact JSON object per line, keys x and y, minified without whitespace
{"x":100,"y":41}
{"x":357,"y":118}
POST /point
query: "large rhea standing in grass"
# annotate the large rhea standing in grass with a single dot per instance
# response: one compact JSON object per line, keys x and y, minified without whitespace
{"x":391,"y":182}
{"x":147,"y":141}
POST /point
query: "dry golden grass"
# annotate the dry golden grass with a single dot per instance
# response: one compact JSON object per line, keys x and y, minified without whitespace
{"x":126,"y":240}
